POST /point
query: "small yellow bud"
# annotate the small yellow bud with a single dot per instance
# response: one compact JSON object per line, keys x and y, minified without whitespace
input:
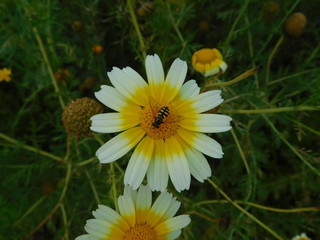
{"x":295,"y":24}
{"x":208,"y":62}
{"x":271,"y":10}
{"x":97,"y":48}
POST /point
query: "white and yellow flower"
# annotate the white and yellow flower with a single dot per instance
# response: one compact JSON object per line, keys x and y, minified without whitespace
{"x":208,"y":61}
{"x":138,"y":219}
{"x":302,"y":236}
{"x":165,"y":120}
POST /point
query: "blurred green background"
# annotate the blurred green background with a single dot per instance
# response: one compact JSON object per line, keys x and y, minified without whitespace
{"x":59,"y":51}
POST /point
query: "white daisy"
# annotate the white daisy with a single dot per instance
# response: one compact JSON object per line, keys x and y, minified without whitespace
{"x":138,"y":219}
{"x":165,"y":119}
{"x":302,"y":236}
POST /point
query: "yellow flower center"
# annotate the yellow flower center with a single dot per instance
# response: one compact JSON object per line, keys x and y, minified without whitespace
{"x":140,"y":232}
{"x":160,"y":121}
{"x":205,"y":55}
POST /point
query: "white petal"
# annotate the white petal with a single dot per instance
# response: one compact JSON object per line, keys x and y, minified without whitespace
{"x":177,"y":164}
{"x":198,"y":164}
{"x":113,"y":122}
{"x":112,"y":98}
{"x":223,"y":66}
{"x":173,"y":209}
{"x":86,"y":237}
{"x":172,"y":224}
{"x":128,"y":191}
{"x":189,"y":90}
{"x":210,"y":123}
{"x":202,"y":142}
{"x":174,"y":235}
{"x":107,"y":214}
{"x":207,"y":100}
{"x":157,"y":174}
{"x":144,"y":197}
{"x":160,"y":207}
{"x":127,"y":209}
{"x":175,"y":78}
{"x":154,"y":70}
{"x":118,"y":146}
{"x":139,"y":162}
{"x":130,"y":84}
{"x":97,"y":228}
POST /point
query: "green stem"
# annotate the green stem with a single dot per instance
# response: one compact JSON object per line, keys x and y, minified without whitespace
{"x":290,"y":146}
{"x":66,"y":183}
{"x":256,"y":205}
{"x":236,"y":205}
{"x":274,"y":110}
{"x":244,"y":159}
{"x":229,"y":38}
{"x":46,"y":60}
{"x":290,"y":76}
{"x":65,"y":221}
{"x":235,"y":80}
{"x":114,"y":187}
{"x":277,"y":29}
{"x":136,"y":27}
{"x":112,"y":173}
{"x":30,"y":210}
{"x":32,"y":149}
{"x":90,"y":160}
{"x":93,"y":188}
{"x":305,"y":126}
{"x":274,"y":50}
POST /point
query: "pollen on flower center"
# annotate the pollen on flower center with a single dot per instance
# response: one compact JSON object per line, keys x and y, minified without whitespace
{"x":159,"y":121}
{"x":140,"y":232}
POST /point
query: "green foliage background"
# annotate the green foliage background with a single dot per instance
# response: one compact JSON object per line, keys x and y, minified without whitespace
{"x":271,"y":158}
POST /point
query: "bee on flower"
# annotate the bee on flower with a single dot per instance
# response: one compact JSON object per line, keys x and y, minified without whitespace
{"x":165,"y":120}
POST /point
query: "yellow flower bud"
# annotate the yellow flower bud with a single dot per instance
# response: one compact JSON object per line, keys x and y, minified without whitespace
{"x":208,"y":62}
{"x":295,"y":24}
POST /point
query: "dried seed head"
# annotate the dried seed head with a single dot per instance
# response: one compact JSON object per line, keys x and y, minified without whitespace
{"x":294,"y":25}
{"x":76,"y":116}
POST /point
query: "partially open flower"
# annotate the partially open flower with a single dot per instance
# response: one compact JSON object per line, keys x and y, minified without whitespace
{"x":208,"y":61}
{"x":76,"y":116}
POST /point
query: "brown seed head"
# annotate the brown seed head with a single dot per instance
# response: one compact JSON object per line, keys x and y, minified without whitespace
{"x":76,"y":116}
